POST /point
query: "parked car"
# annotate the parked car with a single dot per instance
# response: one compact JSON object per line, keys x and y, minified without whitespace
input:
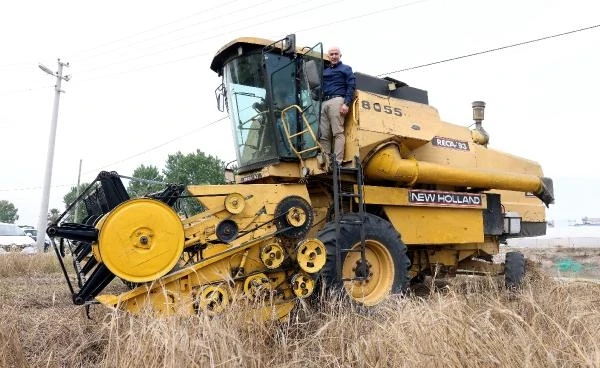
{"x":29,"y":230}
{"x":32,"y":231}
{"x":13,"y":238}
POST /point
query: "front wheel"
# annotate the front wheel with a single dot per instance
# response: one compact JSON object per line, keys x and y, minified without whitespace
{"x":385,"y":270}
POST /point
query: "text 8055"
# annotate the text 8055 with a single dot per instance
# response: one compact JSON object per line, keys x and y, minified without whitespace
{"x":376,"y":106}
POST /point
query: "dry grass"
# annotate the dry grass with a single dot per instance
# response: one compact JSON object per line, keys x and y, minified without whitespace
{"x":467,"y":322}
{"x":17,"y":264}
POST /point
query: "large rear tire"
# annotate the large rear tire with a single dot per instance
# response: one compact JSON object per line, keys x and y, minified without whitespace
{"x":386,"y":267}
{"x":514,"y":269}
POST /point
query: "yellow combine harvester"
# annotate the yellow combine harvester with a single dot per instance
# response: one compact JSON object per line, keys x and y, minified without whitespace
{"x":420,"y":197}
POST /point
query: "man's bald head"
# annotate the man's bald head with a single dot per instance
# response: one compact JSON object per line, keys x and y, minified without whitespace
{"x":334,"y":54}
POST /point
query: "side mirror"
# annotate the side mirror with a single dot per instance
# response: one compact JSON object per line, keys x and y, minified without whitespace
{"x":221,"y":98}
{"x":289,"y":44}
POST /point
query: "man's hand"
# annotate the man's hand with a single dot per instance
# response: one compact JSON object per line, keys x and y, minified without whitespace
{"x":344,"y":109}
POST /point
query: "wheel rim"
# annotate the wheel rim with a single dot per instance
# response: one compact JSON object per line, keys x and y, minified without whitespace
{"x":380,"y":271}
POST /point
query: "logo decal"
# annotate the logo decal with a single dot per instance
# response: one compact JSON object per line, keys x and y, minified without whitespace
{"x":434,"y":198}
{"x":450,"y":143}
{"x":251,"y":177}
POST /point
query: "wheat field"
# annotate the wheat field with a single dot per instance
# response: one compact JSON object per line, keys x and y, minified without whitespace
{"x":460,"y":322}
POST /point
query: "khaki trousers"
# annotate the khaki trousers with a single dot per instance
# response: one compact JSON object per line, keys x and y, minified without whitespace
{"x":331,"y":127}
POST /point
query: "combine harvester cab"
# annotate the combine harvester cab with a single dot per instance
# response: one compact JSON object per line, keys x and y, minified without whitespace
{"x":416,"y":196}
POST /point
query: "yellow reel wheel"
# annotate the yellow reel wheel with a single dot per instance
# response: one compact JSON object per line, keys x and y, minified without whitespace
{"x":235,"y":203}
{"x":213,"y":299}
{"x":303,"y":285}
{"x":311,"y":255}
{"x":272,"y":255}
{"x":95,"y":249}
{"x":141,"y":240}
{"x":256,"y":285}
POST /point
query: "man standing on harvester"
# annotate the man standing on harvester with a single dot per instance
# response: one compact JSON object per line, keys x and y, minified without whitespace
{"x":338,"y":90}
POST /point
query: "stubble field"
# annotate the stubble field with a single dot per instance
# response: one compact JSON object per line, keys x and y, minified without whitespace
{"x":461,"y":322}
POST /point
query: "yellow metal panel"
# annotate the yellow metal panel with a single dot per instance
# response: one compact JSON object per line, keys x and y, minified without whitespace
{"x":351,"y":133}
{"x":450,"y":153}
{"x":529,"y":207}
{"x":488,"y":158}
{"x":392,"y":116}
{"x":435,"y":225}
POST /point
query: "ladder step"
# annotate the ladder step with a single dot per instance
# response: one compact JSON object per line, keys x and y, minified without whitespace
{"x":358,"y":222}
{"x":349,"y":194}
{"x":355,"y":279}
{"x":350,"y":250}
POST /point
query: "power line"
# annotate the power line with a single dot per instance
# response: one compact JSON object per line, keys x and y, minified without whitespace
{"x":236,"y":30}
{"x":158,"y":146}
{"x":379,"y":75}
{"x":31,"y":188}
{"x":196,"y":41}
{"x":27,"y":64}
{"x":24,"y":90}
{"x":492,"y":50}
{"x":159,"y":36}
{"x":361,"y":16}
{"x":122,"y":160}
{"x":139,"y":69}
{"x":23,"y":67}
{"x":149,"y":30}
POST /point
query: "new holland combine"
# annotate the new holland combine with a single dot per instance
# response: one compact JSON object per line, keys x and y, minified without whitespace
{"x":419,"y":197}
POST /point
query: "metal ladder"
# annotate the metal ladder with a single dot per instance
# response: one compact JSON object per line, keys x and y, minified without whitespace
{"x":338,"y":196}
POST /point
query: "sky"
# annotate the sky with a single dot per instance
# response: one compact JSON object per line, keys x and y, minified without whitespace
{"x":141,"y":87}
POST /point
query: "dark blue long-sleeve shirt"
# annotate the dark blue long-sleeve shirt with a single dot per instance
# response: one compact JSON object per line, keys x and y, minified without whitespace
{"x":338,"y":79}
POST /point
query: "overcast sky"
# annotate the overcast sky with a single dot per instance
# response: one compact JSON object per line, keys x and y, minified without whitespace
{"x":142,"y":88}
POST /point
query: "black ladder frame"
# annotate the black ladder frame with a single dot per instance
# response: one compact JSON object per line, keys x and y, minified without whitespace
{"x":338,"y":197}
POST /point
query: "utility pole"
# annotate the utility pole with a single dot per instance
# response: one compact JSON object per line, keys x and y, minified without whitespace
{"x":43,"y":221}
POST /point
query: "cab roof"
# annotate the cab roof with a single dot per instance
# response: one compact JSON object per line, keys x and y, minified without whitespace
{"x":230,"y":48}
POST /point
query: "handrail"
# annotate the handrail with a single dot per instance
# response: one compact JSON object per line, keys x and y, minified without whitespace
{"x":308,"y":129}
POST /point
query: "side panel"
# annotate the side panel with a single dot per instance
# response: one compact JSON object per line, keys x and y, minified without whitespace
{"x":529,"y":207}
{"x":394,"y":117}
{"x":434,"y":225}
{"x":422,"y":219}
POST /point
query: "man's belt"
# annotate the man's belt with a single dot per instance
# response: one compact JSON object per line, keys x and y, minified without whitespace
{"x":329,"y":97}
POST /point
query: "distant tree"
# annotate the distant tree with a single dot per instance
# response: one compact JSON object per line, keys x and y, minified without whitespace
{"x":69,"y":198}
{"x":53,"y":215}
{"x":137,"y":188}
{"x":8,"y":212}
{"x":193,"y":169}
